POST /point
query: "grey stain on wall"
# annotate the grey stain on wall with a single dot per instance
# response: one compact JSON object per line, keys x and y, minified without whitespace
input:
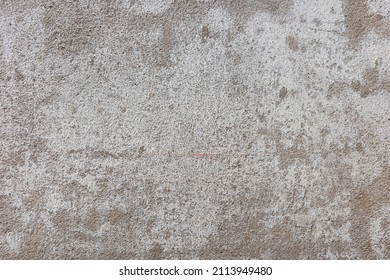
{"x":205,"y":129}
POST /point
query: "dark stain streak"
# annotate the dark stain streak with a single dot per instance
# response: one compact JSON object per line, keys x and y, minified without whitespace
{"x":283,"y":93}
{"x":166,"y":46}
{"x":293,"y":43}
{"x":205,"y":34}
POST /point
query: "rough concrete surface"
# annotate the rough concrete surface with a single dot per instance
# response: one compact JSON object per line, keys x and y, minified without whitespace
{"x":198,"y":129}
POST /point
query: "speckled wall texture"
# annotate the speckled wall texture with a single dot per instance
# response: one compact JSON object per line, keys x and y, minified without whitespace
{"x":198,"y":129}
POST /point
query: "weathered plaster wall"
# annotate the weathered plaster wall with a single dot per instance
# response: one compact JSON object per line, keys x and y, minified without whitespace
{"x":194,"y":129}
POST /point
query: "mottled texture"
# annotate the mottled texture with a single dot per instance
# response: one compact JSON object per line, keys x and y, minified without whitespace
{"x":202,"y":129}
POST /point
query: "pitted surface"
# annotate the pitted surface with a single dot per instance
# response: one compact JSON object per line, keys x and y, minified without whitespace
{"x":201,"y":129}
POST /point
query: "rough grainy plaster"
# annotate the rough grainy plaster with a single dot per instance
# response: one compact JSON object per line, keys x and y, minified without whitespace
{"x":199,"y":129}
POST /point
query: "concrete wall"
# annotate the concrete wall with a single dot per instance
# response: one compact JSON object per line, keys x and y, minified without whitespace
{"x":198,"y":129}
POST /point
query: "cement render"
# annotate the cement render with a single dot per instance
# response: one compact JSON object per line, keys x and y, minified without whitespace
{"x":201,"y":129}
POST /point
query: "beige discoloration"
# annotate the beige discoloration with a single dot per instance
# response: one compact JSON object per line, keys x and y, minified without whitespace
{"x":156,"y":253}
{"x":194,"y":130}
{"x":34,"y":200}
{"x":205,"y":34}
{"x":166,"y":46}
{"x":74,"y":191}
{"x":248,"y":237}
{"x":365,"y":204}
{"x":359,"y":21}
{"x":243,"y":7}
{"x":62,"y":220}
{"x":34,"y":246}
{"x":73,"y":35}
{"x":287,"y":156}
{"x":19,"y":77}
{"x":93,"y":220}
{"x":115,"y":216}
{"x":9,"y":215}
{"x":372,"y":83}
{"x":336,"y":88}
{"x":292,"y":43}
